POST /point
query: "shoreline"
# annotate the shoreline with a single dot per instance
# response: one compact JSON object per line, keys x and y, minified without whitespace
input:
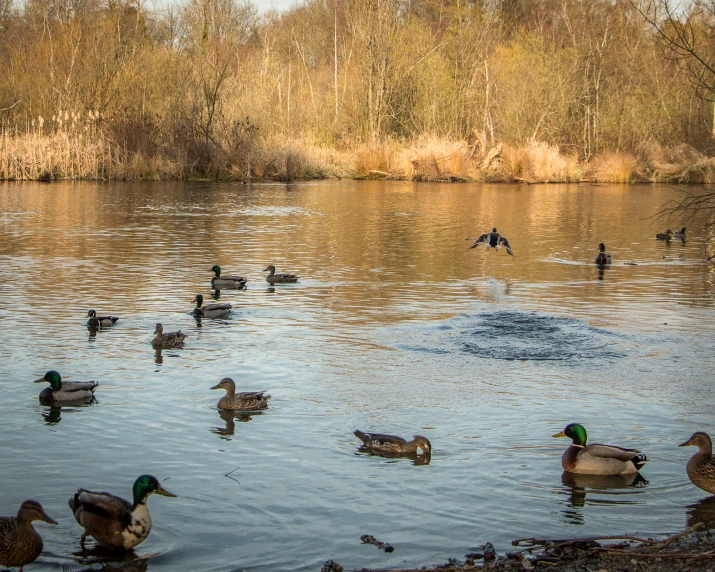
{"x":690,"y":550}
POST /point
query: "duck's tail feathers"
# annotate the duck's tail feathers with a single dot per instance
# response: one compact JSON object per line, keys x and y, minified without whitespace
{"x":639,"y":460}
{"x":362,"y":436}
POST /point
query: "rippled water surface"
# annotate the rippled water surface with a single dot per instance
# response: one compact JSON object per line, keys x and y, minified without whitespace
{"x":395,"y":326}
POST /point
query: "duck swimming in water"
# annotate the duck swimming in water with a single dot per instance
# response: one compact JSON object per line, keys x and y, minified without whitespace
{"x":393,"y":444}
{"x":667,"y":235}
{"x":228,"y":281}
{"x":19,"y":542}
{"x":62,"y":391}
{"x":493,"y":240}
{"x":97,"y":322}
{"x":680,"y":234}
{"x":603,"y":257}
{"x":273,"y":278}
{"x":243,"y":401}
{"x":112,"y":521}
{"x":701,"y":466}
{"x":167,"y":340}
{"x":597,"y":459}
{"x":210,"y":311}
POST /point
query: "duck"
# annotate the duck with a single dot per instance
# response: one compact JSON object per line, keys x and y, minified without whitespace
{"x":272,"y":277}
{"x":597,"y":459}
{"x":227,"y":280}
{"x":392,"y":444}
{"x":701,"y":466}
{"x":667,"y":235}
{"x":493,"y":240}
{"x":112,"y":521}
{"x":168,"y":340}
{"x":60,"y":391}
{"x":20,"y":544}
{"x":243,"y":401}
{"x":210,"y":311}
{"x":603,"y":257}
{"x":100,"y":321}
{"x":680,"y":234}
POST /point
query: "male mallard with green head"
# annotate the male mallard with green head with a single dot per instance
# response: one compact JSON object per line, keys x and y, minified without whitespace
{"x":97,"y":322}
{"x":167,"y":340}
{"x":19,"y":542}
{"x":701,"y":466}
{"x":603,"y":257}
{"x":667,"y":235}
{"x":393,"y":444}
{"x":243,"y":401}
{"x":112,"y":521}
{"x":227,"y":280}
{"x":210,"y":311}
{"x":274,"y":278}
{"x":493,"y":240}
{"x":597,"y":459}
{"x":60,"y":391}
{"x":680,"y":234}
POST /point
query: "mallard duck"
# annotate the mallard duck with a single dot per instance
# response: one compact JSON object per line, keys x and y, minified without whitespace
{"x":493,"y":240}
{"x":19,"y":542}
{"x":227,"y":280}
{"x":680,"y":234}
{"x":272,"y":277}
{"x":603,"y":257}
{"x":60,"y":391}
{"x":597,"y":459}
{"x":244,"y":401}
{"x":112,"y":521}
{"x":393,"y":444}
{"x":167,"y":340}
{"x":210,"y":311}
{"x":667,"y":235}
{"x":100,"y":321}
{"x":701,"y":466}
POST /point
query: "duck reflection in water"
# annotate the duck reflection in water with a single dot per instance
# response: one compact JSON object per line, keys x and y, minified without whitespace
{"x":416,"y":458}
{"x":581,"y":485}
{"x":230,"y":417}
{"x":701,"y":511}
{"x":111,"y":560}
{"x":53,"y":415}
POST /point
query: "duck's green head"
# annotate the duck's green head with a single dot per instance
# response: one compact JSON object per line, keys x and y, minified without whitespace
{"x":216,"y":270}
{"x":602,"y":247}
{"x":148,"y":485}
{"x":575,"y":432}
{"x":682,"y":230}
{"x":53,"y":378}
{"x":199,"y":299}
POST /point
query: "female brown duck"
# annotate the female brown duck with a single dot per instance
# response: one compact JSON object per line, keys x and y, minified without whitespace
{"x":393,"y":444}
{"x":19,"y":542}
{"x":701,"y":466}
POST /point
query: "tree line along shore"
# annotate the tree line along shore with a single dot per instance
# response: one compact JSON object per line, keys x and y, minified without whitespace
{"x":434,"y":90}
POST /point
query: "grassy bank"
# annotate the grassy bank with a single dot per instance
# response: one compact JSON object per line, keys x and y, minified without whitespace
{"x":85,"y":151}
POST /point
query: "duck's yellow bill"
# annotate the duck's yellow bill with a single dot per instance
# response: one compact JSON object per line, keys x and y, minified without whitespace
{"x":562,"y":434}
{"x":39,"y":380}
{"x":688,"y":442}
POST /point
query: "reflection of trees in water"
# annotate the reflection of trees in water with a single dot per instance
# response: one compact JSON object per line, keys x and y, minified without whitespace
{"x":230,"y":417}
{"x":578,"y":487}
{"x":702,"y":511}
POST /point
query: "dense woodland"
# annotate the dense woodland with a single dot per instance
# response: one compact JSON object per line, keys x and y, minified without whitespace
{"x":422,"y":88}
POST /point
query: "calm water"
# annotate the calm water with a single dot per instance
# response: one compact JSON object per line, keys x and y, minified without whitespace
{"x":395,"y":326}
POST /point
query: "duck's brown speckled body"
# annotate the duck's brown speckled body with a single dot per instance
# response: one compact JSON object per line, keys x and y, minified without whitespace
{"x":167,"y":340}
{"x":701,"y":466}
{"x":392,"y":443}
{"x":274,"y":278}
{"x":20,"y":544}
{"x":242,"y":401}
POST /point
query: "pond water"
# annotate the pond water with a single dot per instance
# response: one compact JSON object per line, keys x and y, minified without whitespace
{"x":395,"y":326}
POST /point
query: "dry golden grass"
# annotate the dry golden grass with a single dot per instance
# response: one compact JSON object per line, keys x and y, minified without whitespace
{"x":541,"y":162}
{"x":373,"y":157}
{"x":613,"y":167}
{"x":295,"y":159}
{"x":434,"y":159}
